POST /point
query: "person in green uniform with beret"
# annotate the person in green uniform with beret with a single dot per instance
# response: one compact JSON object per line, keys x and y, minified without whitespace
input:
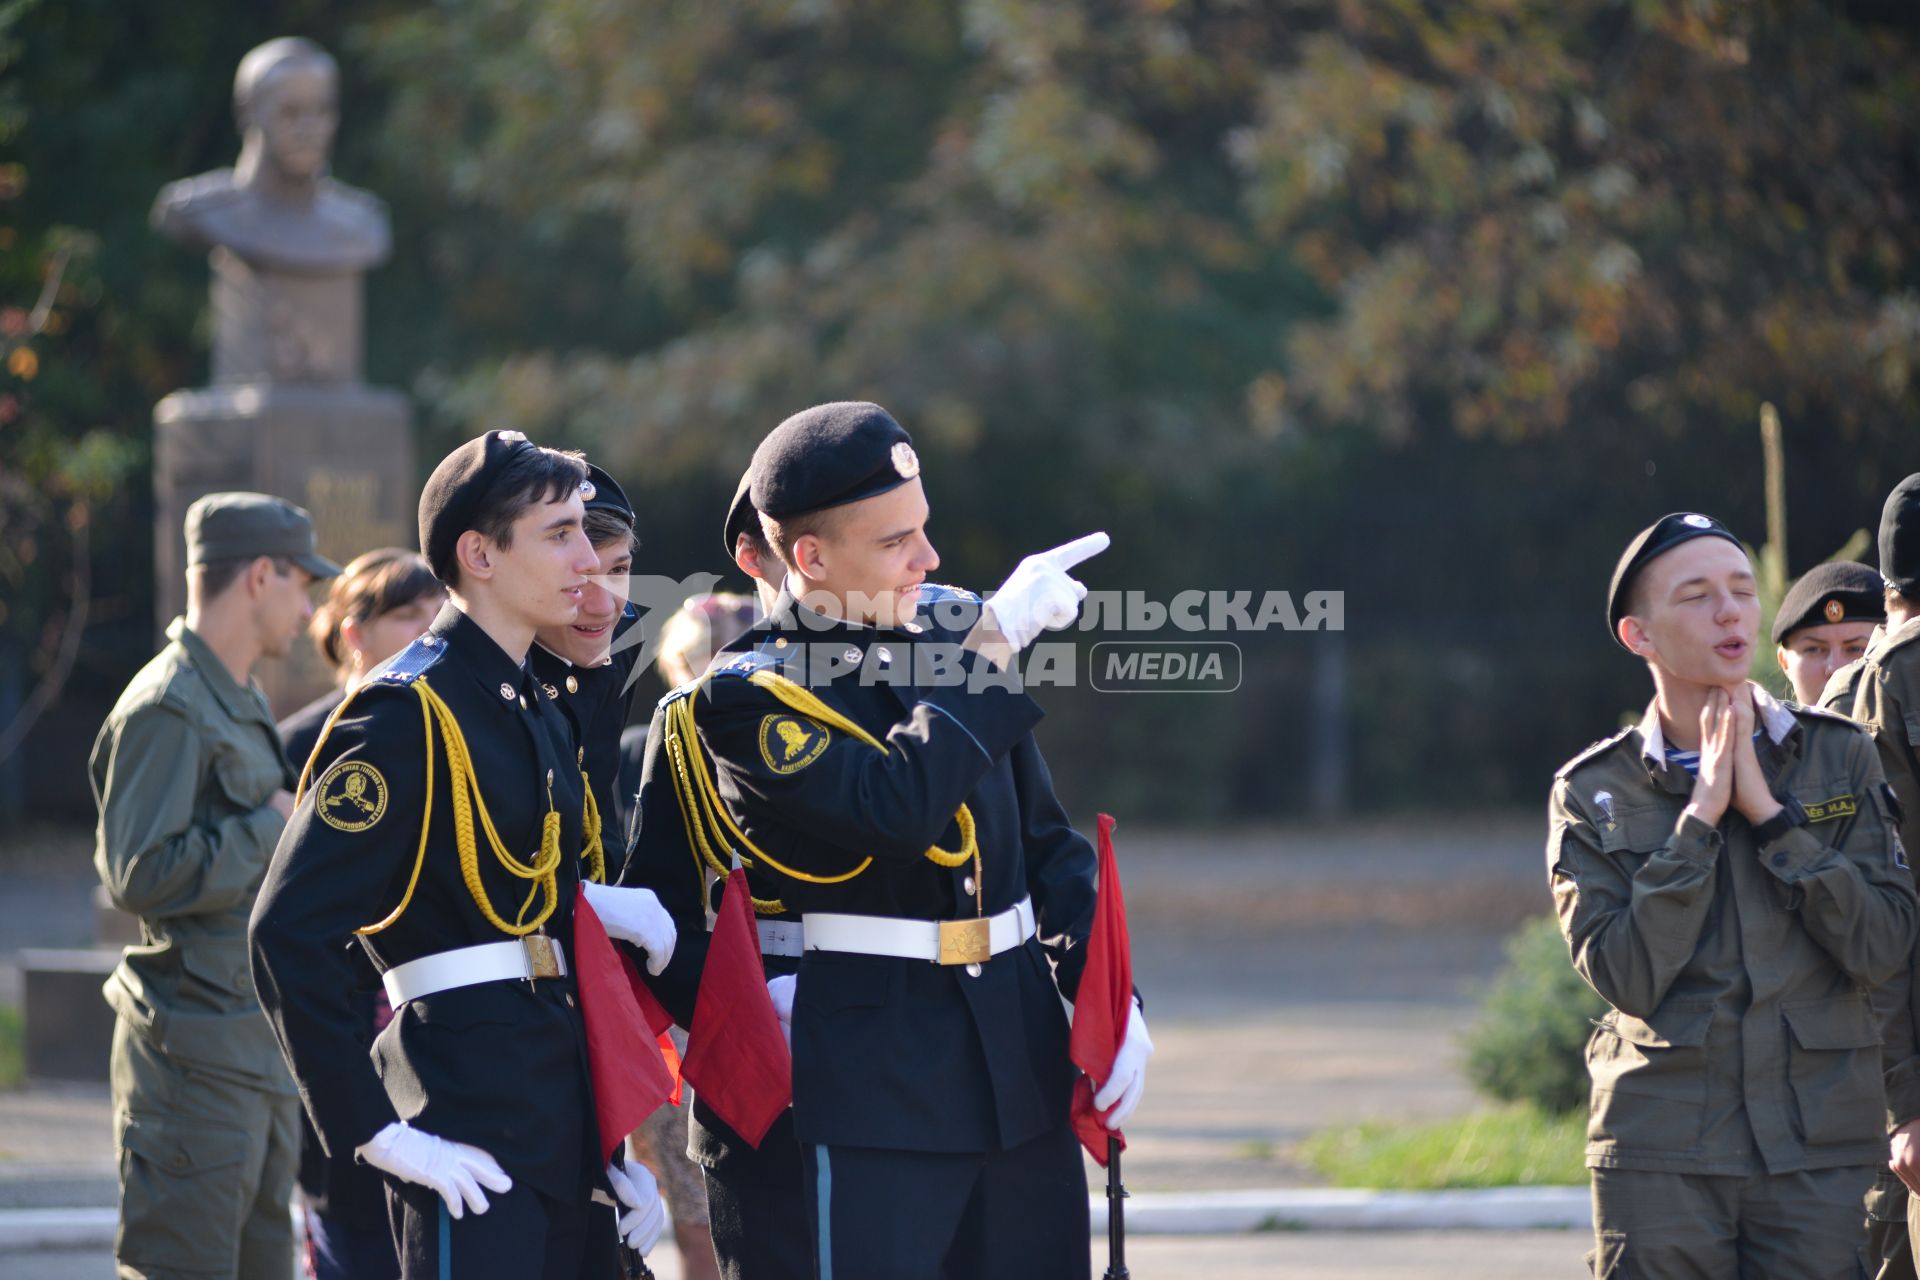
{"x":1727,"y":877}
{"x":1825,"y":623}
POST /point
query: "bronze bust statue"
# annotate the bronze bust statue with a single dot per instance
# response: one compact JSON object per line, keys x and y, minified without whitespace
{"x":288,"y":242}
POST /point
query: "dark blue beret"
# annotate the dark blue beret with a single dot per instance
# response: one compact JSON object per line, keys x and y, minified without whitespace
{"x":1837,"y":591}
{"x":607,"y":494}
{"x":1900,"y":537}
{"x":830,"y":455}
{"x":741,"y":517}
{"x":1658,"y":538}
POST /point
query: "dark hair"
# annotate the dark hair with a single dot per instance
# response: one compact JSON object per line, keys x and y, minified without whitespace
{"x":533,"y":476}
{"x":372,"y":584}
{"x":782,"y":534}
{"x":604,"y":526}
{"x":217,"y":575}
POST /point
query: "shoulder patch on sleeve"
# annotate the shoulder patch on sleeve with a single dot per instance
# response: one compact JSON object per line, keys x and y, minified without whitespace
{"x":1589,"y":753}
{"x":412,"y":662}
{"x":789,"y":743}
{"x":351,"y":796}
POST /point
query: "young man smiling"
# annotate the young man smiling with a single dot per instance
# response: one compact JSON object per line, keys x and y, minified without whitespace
{"x":441,"y":825}
{"x":1727,"y":877}
{"x":908,"y":818}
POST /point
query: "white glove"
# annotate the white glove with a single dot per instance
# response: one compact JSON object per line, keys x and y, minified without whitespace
{"x":781,"y":989}
{"x":1120,"y":1094}
{"x":644,"y":1216}
{"x":1039,"y":594}
{"x":636,"y":916}
{"x":454,"y":1169}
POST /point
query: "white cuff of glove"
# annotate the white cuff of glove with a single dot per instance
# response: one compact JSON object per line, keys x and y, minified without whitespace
{"x":643,"y":1216}
{"x":1120,"y":1093}
{"x":456,"y":1171}
{"x":636,"y":916}
{"x":781,"y":991}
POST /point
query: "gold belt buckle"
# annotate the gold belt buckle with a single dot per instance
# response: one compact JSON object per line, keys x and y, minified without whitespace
{"x":541,"y":962}
{"x":966,"y":941}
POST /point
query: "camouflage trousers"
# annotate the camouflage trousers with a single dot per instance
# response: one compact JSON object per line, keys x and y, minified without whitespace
{"x":1679,"y":1226}
{"x":206,"y":1169}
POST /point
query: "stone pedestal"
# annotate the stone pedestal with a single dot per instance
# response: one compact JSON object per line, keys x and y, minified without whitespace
{"x":344,"y":452}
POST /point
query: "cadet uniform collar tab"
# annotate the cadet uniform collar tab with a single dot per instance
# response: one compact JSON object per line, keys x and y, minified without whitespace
{"x":1773,"y":715}
{"x":247,"y":703}
{"x":484,"y":659}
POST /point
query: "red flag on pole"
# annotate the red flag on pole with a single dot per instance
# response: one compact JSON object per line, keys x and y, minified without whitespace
{"x":630,"y":1079}
{"x":737,"y":1057}
{"x":1104,"y":1001}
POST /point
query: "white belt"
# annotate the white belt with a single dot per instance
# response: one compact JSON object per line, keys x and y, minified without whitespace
{"x":780,"y":937}
{"x":938,"y":941}
{"x":523,"y":959}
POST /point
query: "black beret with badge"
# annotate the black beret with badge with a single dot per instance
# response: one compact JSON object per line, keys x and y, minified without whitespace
{"x":830,"y":455}
{"x":1900,"y":537}
{"x":607,"y":494}
{"x":456,"y":493}
{"x":741,"y":517}
{"x":1837,"y":591}
{"x":1658,"y":538}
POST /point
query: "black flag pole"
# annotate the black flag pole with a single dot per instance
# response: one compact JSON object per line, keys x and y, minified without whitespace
{"x":632,"y":1264}
{"x":1116,"y":1215}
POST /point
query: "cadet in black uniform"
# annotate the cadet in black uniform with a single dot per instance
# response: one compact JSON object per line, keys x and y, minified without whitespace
{"x":585,"y":667}
{"x":441,"y":821}
{"x":879,"y":777}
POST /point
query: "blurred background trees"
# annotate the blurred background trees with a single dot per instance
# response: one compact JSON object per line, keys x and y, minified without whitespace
{"x":1432,"y":304}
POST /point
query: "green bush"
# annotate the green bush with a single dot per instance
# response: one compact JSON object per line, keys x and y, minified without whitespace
{"x":1529,"y":1043}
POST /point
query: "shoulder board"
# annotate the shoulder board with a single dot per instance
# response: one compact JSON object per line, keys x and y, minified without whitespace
{"x":412,"y":662}
{"x":763,"y":657}
{"x":1590,"y":753}
{"x":678,"y":692}
{"x":935,"y":592}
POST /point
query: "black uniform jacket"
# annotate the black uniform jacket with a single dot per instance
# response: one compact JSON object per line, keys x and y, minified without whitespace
{"x":891,"y":1053}
{"x":500,"y":1065}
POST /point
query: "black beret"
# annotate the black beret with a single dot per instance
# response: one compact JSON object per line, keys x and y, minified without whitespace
{"x":453,"y":493}
{"x":1837,"y":591}
{"x":607,"y":494}
{"x":829,"y":455}
{"x":1658,"y":538}
{"x":1900,"y":537}
{"x":741,"y":517}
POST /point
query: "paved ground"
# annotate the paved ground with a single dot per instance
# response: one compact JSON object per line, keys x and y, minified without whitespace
{"x":1293,"y":979}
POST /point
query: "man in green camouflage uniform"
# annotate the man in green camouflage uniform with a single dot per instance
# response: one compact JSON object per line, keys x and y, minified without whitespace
{"x":1886,"y":698}
{"x":193,"y":791}
{"x":1726,"y":876}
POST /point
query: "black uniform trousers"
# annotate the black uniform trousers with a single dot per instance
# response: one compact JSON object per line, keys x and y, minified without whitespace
{"x":757,"y":1207}
{"x":1003,"y":1215}
{"x":523,"y":1235}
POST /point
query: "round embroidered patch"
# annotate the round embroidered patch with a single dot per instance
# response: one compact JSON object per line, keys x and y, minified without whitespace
{"x":789,"y":744}
{"x":351,"y":797}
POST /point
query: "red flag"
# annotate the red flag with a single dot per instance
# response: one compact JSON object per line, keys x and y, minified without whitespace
{"x":658,"y":1020}
{"x":629,"y":1078}
{"x":737,"y":1057}
{"x":1104,"y":1001}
